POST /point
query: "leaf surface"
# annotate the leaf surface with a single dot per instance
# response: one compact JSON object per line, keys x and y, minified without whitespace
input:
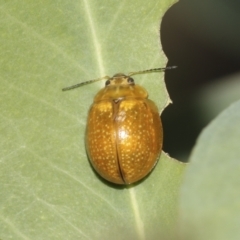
{"x":48,"y":188}
{"x":210,"y":193}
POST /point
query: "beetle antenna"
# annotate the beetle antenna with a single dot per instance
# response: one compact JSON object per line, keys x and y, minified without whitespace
{"x":85,"y":83}
{"x":152,"y":70}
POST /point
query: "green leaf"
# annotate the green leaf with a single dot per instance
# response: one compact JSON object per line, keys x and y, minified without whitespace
{"x":48,"y":188}
{"x":210,"y":194}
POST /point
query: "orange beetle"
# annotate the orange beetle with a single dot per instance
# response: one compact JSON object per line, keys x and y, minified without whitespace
{"x":124,"y":131}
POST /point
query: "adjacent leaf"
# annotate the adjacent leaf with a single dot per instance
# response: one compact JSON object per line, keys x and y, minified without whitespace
{"x":48,"y":188}
{"x":210,"y":194}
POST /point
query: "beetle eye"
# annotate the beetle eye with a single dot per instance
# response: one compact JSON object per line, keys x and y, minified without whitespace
{"x":130,"y":80}
{"x":107,"y":82}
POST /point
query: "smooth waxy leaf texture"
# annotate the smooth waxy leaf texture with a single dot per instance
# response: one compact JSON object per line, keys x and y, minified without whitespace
{"x":48,"y":188}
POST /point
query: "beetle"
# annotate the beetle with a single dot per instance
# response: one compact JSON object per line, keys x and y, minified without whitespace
{"x":124,"y":133}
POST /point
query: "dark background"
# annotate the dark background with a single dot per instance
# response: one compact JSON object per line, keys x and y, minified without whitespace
{"x":202,"y":38}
